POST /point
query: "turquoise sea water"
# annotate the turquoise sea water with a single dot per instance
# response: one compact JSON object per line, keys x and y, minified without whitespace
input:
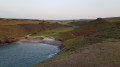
{"x":25,"y":54}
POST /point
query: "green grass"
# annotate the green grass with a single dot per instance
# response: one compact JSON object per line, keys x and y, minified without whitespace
{"x":79,"y":42}
{"x":11,"y":31}
{"x":113,"y":19}
{"x":11,"y":27}
{"x":65,"y":22}
{"x":5,"y":21}
{"x":53,"y":32}
{"x":107,"y":31}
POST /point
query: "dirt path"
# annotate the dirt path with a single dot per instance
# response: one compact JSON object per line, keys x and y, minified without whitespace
{"x":97,"y":55}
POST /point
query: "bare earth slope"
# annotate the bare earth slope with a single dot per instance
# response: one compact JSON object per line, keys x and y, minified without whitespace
{"x":97,"y":55}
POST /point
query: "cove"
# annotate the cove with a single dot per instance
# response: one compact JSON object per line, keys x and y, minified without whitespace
{"x":25,"y":54}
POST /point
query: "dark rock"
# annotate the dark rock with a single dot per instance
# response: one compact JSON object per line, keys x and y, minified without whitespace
{"x":7,"y":40}
{"x":10,"y":40}
{"x":2,"y":41}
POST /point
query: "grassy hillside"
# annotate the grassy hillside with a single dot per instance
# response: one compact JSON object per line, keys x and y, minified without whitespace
{"x":75,"y":22}
{"x":17,"y":21}
{"x":5,"y":21}
{"x":11,"y":31}
{"x":96,"y":31}
{"x":81,"y":38}
{"x":113,"y":19}
{"x":15,"y":28}
{"x":53,"y":32}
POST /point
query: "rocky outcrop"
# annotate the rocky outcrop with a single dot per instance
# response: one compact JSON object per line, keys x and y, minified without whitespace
{"x":2,"y":41}
{"x":10,"y":40}
{"x":7,"y":40}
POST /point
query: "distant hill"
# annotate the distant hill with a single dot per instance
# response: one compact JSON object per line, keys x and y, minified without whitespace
{"x":40,"y":27}
{"x":79,"y":22}
{"x":100,"y":25}
{"x":113,"y":19}
{"x":4,"y":21}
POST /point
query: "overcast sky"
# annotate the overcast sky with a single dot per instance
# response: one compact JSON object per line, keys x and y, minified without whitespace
{"x":59,"y":9}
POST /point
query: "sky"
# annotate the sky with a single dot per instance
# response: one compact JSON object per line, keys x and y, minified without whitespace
{"x":59,"y":9}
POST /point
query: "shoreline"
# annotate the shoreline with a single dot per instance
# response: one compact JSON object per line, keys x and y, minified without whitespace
{"x":10,"y":40}
{"x":44,"y":40}
{"x":34,"y":39}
